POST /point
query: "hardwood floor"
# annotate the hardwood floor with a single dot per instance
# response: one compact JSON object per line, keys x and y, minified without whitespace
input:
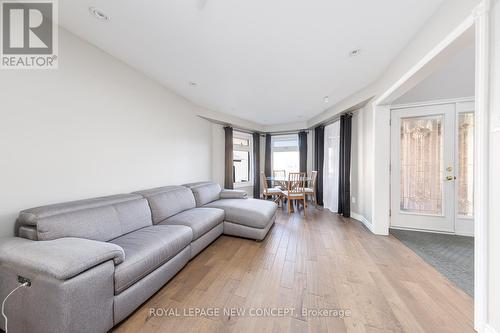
{"x":322,"y":262}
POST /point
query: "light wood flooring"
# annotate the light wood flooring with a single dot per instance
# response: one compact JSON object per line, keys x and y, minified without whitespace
{"x":322,"y":262}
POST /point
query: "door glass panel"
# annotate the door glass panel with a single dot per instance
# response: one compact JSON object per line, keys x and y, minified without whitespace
{"x":421,"y":165}
{"x":465,"y":164}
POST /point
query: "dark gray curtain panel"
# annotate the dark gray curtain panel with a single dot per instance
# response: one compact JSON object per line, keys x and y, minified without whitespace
{"x":319,"y":146}
{"x":228,"y":158}
{"x":345,"y":165}
{"x":256,"y":165}
{"x":267,"y":162}
{"x":303,"y":151}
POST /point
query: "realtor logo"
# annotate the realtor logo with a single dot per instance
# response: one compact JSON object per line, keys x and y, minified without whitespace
{"x":29,"y":34}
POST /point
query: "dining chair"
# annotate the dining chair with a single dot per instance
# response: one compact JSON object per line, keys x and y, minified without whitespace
{"x":273,"y":192}
{"x":296,"y":190}
{"x":311,"y":191}
{"x":280,"y":174}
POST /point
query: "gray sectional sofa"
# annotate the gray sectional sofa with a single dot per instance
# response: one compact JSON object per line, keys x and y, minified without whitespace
{"x":92,"y":262}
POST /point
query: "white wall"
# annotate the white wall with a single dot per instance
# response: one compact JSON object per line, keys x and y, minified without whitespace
{"x":361,"y":161}
{"x":93,"y":127}
{"x":494,"y":225}
{"x":218,"y":146}
{"x":453,"y":80}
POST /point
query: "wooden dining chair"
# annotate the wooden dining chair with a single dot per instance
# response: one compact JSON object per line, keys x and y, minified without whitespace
{"x":296,"y":190}
{"x":280,"y":174}
{"x":311,"y":191}
{"x":273,"y":192}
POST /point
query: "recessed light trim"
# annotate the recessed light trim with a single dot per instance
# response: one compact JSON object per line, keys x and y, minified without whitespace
{"x":354,"y":52}
{"x":99,"y":14}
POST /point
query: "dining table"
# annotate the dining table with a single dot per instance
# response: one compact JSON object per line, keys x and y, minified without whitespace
{"x":283,"y":181}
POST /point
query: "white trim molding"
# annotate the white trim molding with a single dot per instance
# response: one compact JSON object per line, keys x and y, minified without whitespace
{"x":381,"y":189}
{"x":481,"y":165}
{"x":489,"y":329}
{"x":432,"y":102}
{"x":434,"y":231}
{"x":362,"y":219}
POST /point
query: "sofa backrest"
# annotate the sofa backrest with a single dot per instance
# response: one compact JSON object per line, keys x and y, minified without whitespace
{"x":99,"y":219}
{"x":205,"y":192}
{"x":168,"y":201}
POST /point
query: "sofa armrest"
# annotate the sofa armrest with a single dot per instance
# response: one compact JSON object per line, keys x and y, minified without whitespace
{"x":233,"y":194}
{"x":61,"y":258}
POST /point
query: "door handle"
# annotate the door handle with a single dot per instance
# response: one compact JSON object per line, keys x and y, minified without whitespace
{"x":450,"y":178}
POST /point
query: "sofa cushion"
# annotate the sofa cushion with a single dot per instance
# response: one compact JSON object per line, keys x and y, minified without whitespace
{"x":147,"y":249}
{"x":191,"y":185}
{"x":253,"y":213}
{"x":32,"y":215}
{"x":61,"y":258}
{"x":100,"y":223}
{"x":201,"y":220}
{"x":206,"y":193}
{"x":168,"y":201}
{"x":233,"y":194}
{"x":101,"y":218}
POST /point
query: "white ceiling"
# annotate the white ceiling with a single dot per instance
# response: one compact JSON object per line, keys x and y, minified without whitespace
{"x":270,"y":62}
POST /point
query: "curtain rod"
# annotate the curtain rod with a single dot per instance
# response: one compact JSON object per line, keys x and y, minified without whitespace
{"x":290,"y":132}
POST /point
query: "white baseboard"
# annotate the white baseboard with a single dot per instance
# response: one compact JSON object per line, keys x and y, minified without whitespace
{"x":489,"y":329}
{"x":362,"y":219}
{"x":433,"y":231}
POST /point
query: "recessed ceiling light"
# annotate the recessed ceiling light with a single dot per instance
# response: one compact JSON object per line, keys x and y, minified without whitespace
{"x":354,"y":53}
{"x":99,"y":14}
{"x":193,"y":84}
{"x":326,"y":99}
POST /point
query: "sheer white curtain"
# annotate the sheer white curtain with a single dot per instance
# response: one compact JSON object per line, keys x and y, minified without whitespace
{"x":331,"y":167}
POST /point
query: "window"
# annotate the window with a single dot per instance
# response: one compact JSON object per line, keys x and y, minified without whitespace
{"x":286,"y":155}
{"x":242,"y":158}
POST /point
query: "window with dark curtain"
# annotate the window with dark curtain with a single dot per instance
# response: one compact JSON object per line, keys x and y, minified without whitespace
{"x":267,"y":162}
{"x":228,"y":158}
{"x":303,"y":151}
{"x":256,"y":165}
{"x":319,"y":145}
{"x":344,"y":207}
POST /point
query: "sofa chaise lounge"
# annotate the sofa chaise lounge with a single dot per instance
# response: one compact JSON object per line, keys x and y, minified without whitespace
{"x":92,"y":262}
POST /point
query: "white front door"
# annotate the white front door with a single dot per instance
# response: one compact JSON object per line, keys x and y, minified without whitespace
{"x":422,"y":162}
{"x":430,"y":147}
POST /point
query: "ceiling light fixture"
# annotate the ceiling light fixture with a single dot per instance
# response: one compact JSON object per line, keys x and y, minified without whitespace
{"x":354,"y":53}
{"x":99,"y":14}
{"x":326,"y":99}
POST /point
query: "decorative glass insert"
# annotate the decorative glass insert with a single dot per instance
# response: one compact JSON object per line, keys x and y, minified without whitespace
{"x":422,"y":165}
{"x":465,"y":177}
